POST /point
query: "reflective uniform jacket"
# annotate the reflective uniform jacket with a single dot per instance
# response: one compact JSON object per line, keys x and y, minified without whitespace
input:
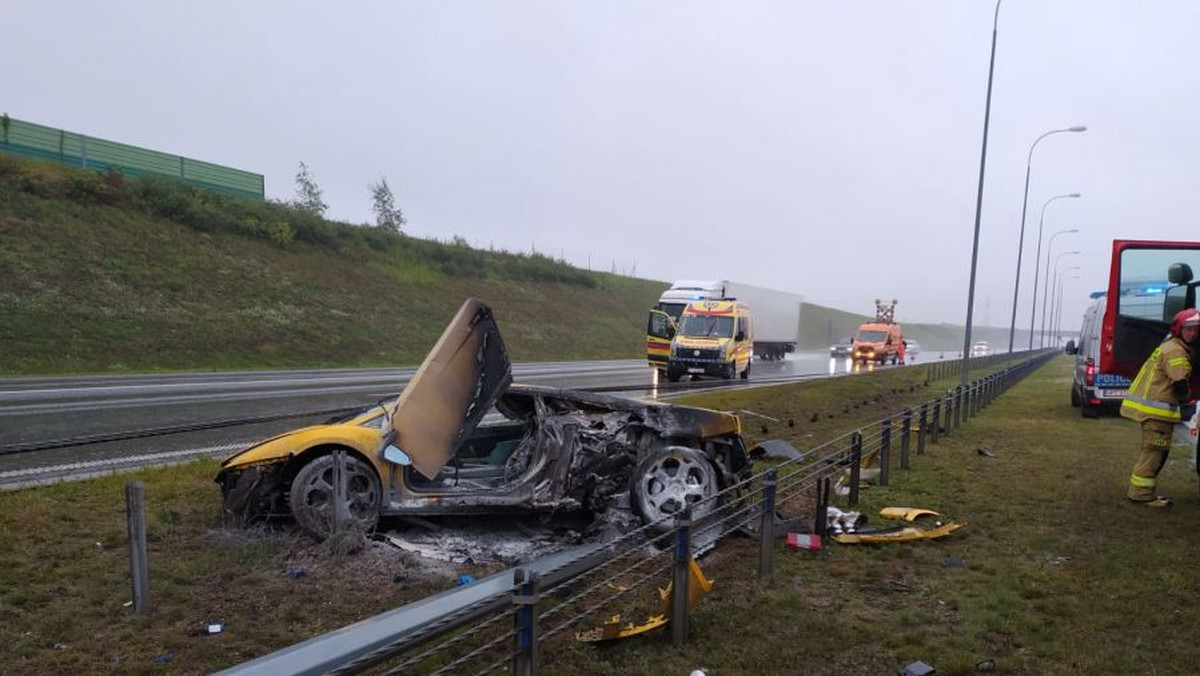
{"x":1150,"y":396}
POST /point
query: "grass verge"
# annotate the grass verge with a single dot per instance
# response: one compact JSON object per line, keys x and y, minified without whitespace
{"x":1062,"y":575}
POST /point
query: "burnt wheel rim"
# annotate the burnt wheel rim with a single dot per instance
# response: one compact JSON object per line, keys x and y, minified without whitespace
{"x":675,"y":482}
{"x":362,"y":494}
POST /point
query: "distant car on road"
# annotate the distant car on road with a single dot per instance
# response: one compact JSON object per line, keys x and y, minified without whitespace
{"x":981,"y":349}
{"x":842,"y":349}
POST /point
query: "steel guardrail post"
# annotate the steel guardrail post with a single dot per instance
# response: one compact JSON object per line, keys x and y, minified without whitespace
{"x":922,"y":428}
{"x":525,"y":599}
{"x":936,"y":431}
{"x":679,"y":586}
{"x":766,"y":545}
{"x":855,"y":465}
{"x":885,"y":452}
{"x":905,"y":437}
{"x":139,"y":569}
{"x":948,"y":414}
{"x":821,"y":518}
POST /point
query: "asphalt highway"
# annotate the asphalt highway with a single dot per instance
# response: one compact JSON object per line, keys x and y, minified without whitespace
{"x":39,"y":411}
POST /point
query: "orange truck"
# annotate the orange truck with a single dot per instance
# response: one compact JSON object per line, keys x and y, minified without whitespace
{"x":879,"y":340}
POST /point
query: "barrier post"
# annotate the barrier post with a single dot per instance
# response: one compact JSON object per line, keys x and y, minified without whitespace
{"x":139,"y":571}
{"x":525,"y":599}
{"x":885,"y":452}
{"x":855,"y":466}
{"x":905,"y":437}
{"x":679,"y":585}
{"x":766,"y":546}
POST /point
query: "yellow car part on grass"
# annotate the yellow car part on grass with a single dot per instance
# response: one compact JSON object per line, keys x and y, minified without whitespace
{"x":907,"y":534}
{"x":698,"y":588}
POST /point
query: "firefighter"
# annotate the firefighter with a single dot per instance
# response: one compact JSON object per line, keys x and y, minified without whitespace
{"x":1155,"y":400}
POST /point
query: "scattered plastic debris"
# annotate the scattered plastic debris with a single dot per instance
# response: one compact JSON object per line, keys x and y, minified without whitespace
{"x":296,"y":574}
{"x":163,"y":658}
{"x":953,"y":562}
{"x":464,"y":580}
{"x":127,"y":604}
{"x":985,"y":451}
{"x":214,"y":628}
{"x":804,"y":541}
{"x":400,"y":577}
{"x":60,"y":646}
{"x":839,"y":522}
{"x":986,"y":665}
{"x":699,"y":672}
{"x":917,"y":669}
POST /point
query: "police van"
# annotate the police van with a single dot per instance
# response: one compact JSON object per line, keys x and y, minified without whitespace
{"x":1093,"y":390}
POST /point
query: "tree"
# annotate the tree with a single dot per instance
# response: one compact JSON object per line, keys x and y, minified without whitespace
{"x":308,"y":195}
{"x":387,"y":215}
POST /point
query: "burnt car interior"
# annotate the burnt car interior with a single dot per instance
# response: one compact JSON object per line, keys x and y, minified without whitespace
{"x":479,"y":462}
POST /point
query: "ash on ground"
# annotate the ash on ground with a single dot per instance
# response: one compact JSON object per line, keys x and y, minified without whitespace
{"x":480,"y":540}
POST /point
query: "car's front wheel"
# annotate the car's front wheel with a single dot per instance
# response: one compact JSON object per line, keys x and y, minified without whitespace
{"x":312,"y":496}
{"x":668,"y":481}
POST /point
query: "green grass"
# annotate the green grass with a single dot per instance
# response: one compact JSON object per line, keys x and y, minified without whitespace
{"x":157,"y":276}
{"x":63,"y":565}
{"x":1063,"y":574}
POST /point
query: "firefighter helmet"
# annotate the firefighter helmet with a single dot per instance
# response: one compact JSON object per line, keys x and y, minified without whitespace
{"x":1188,"y":317}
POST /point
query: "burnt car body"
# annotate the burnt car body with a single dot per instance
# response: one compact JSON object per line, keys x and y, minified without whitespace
{"x":539,"y":449}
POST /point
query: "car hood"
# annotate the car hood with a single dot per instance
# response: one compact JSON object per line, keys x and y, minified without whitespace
{"x":458,"y":382}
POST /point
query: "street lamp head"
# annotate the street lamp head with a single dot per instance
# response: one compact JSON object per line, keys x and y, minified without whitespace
{"x":1072,"y":230}
{"x":1082,"y":127}
{"x":1075,"y":194}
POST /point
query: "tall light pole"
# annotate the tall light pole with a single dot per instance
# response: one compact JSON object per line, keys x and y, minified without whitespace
{"x":987,"y":113}
{"x":1037,"y":261}
{"x":1046,"y":284}
{"x":1058,"y":306}
{"x":1012,"y":329}
{"x":1042,"y":342}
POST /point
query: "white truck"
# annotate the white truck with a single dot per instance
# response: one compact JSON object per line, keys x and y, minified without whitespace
{"x":776,"y":314}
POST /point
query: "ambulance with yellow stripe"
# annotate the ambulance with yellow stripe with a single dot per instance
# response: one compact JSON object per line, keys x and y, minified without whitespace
{"x":712,"y":338}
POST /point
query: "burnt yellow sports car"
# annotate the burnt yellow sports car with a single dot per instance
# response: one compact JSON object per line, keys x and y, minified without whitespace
{"x":462,"y":439}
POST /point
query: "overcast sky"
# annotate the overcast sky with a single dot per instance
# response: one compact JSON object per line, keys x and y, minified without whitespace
{"x":830,"y":149}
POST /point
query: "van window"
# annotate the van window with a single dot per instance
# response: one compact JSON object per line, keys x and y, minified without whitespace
{"x":872,"y":336}
{"x":701,"y":326}
{"x":1143,"y":285}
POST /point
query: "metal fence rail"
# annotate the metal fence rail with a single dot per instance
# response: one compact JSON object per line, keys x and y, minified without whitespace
{"x":28,"y":139}
{"x":445,"y":634}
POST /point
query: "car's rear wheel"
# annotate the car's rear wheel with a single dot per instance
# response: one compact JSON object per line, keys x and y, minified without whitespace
{"x":1075,"y":400}
{"x":312,"y":496}
{"x":668,"y":481}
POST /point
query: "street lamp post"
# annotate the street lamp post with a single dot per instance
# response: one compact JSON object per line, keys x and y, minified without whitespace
{"x":1037,"y":260}
{"x":987,"y":113}
{"x":1046,"y":283}
{"x":1012,"y":329}
{"x":1059,"y":304}
{"x":1056,"y":260}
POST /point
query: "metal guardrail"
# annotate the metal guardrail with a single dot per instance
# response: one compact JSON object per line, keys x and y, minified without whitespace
{"x":518,"y":611}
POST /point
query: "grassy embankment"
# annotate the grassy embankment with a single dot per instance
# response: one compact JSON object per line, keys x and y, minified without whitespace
{"x":1061,"y":576}
{"x":103,"y":274}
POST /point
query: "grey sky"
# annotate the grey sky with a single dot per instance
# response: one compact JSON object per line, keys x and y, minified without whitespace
{"x":830,"y":149}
